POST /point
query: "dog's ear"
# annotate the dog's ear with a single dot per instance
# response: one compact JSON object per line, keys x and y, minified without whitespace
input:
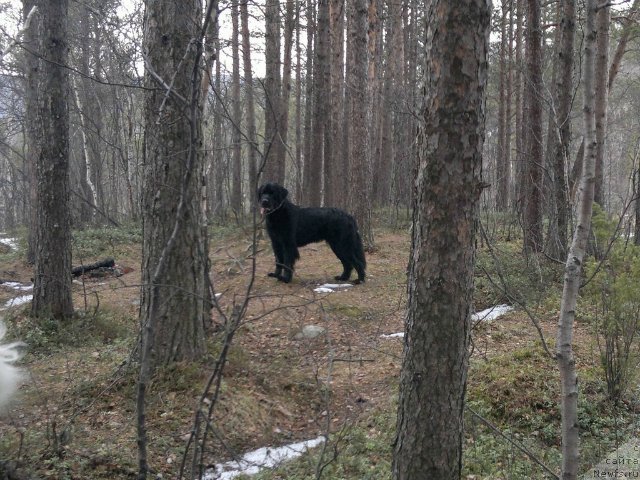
{"x":281,"y":193}
{"x":260,"y":190}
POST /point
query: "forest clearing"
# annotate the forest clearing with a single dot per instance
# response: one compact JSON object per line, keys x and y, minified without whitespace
{"x":75,"y":416}
{"x":170,"y":172}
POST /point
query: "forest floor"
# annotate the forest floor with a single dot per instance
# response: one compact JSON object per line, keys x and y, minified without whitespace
{"x":75,"y":416}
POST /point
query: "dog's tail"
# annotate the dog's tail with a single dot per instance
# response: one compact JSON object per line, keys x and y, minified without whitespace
{"x":10,"y":376}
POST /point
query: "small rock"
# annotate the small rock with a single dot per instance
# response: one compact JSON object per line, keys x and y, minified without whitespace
{"x":310,"y":331}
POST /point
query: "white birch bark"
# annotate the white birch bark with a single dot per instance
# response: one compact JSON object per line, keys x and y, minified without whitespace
{"x":85,"y":146}
{"x":573,"y":267}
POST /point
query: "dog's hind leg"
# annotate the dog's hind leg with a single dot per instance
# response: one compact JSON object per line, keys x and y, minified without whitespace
{"x":343,"y":256}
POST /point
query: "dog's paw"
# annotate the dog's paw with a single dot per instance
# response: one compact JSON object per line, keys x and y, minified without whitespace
{"x":273,"y":275}
{"x":284,"y":279}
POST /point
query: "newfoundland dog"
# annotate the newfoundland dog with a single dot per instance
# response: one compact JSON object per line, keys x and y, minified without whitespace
{"x":290,"y":226}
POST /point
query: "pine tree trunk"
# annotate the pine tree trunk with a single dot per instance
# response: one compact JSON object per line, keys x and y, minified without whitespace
{"x":174,"y":305}
{"x":564,"y":98}
{"x":236,"y":145}
{"x":315,"y":164}
{"x":602,"y":96}
{"x":334,"y":168}
{"x":502,"y":177}
{"x":274,"y":159}
{"x":32,"y":64}
{"x":359,"y":153}
{"x":248,"y":92}
{"x":52,"y":279}
{"x":532,"y":213}
{"x":448,"y":186}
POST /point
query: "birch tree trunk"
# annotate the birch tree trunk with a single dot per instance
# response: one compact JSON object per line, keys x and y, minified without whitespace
{"x":573,"y":267}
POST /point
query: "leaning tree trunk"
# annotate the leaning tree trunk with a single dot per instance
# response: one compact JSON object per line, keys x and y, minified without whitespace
{"x":448,"y":186}
{"x":573,"y":268}
{"x":52,"y":280}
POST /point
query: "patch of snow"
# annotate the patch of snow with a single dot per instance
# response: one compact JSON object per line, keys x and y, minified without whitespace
{"x":323,"y":290}
{"x":17,"y":301}
{"x":485,"y":315}
{"x":393,"y":335}
{"x":17,"y":286}
{"x":12,"y":243}
{"x":491,"y":313}
{"x":266,"y":457}
{"x":331,"y":287}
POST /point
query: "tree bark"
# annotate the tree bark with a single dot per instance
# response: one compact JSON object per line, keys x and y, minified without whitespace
{"x":315,"y":164}
{"x":602,"y":96}
{"x":52,"y":279}
{"x":563,"y":100}
{"x":334,"y":168}
{"x":174,"y":296}
{"x":274,"y":158}
{"x":359,"y":153}
{"x":519,"y":191}
{"x":32,"y":64}
{"x":248,"y":92}
{"x":532,"y":214}
{"x":573,"y":267}
{"x":236,"y":144}
{"x":502,"y":162}
{"x":447,"y":187}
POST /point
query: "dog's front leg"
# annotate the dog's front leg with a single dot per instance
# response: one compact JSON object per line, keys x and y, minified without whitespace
{"x":278,"y":250}
{"x":290,"y":254}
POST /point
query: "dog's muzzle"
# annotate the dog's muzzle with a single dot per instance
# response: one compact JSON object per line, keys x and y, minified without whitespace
{"x":265,"y":207}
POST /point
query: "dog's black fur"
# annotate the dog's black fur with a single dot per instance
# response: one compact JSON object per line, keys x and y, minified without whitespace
{"x":290,"y":226}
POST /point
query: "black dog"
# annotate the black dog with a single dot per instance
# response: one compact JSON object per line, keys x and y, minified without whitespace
{"x":290,"y":226}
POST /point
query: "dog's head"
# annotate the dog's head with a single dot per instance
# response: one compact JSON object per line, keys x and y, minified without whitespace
{"x":270,"y":197}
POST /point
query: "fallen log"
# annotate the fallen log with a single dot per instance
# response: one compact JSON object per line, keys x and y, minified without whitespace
{"x":82,"y":269}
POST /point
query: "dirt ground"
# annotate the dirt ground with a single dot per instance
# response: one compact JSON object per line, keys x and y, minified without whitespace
{"x":75,"y":416}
